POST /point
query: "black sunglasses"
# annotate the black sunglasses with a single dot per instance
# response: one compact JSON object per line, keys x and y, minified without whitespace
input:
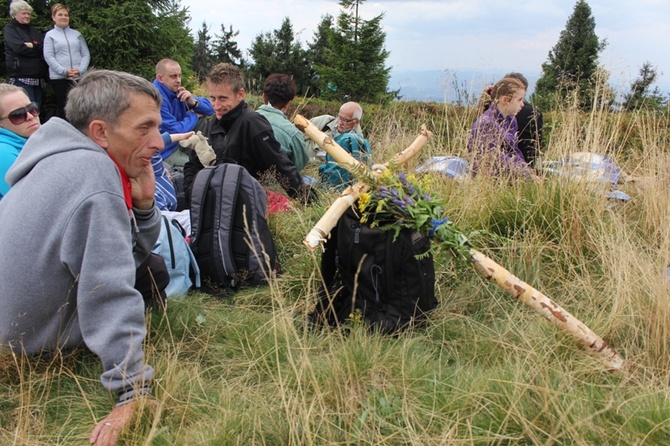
{"x":20,"y":115}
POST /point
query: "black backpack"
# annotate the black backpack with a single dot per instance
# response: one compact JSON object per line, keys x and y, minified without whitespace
{"x":177,"y":176}
{"x":228,"y":204}
{"x":393,"y":280}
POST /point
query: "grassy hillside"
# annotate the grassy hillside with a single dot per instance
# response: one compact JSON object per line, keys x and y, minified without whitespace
{"x":484,"y":370}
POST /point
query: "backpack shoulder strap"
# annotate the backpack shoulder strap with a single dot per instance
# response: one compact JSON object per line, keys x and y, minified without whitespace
{"x":198,"y":196}
{"x":170,"y":241}
{"x":226,"y":183}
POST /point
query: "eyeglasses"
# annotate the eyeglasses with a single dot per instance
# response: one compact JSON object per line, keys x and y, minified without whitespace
{"x":20,"y":115}
{"x":346,"y":120}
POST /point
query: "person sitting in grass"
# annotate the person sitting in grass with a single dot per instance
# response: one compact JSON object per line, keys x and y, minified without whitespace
{"x":529,"y":123}
{"x":278,"y":92}
{"x":493,"y":140}
{"x":348,"y":136}
{"x":328,"y":125}
{"x":239,"y":135}
{"x":180,"y":109}
{"x":19,"y":118}
{"x":79,"y":223}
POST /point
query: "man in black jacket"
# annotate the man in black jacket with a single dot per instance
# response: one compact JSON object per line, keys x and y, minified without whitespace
{"x":241,"y":136}
{"x":23,"y":52}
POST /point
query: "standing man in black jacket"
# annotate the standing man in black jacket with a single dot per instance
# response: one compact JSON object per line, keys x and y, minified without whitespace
{"x":242,"y":136}
{"x":23,"y":52}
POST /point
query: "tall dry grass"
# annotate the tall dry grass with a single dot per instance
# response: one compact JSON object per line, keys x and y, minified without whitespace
{"x":484,"y":369}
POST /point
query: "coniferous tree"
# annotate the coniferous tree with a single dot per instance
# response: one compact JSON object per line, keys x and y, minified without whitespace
{"x":278,"y":52}
{"x":202,"y":56}
{"x":225,"y":47}
{"x":354,"y":65}
{"x":572,"y":64}
{"x":126,"y":35}
{"x":316,"y":51}
{"x":640,"y":95}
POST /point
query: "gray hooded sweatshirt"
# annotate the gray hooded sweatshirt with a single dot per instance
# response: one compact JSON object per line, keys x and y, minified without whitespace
{"x":67,"y":269}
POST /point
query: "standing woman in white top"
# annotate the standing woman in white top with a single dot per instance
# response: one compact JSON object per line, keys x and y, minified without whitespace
{"x":67,"y":55}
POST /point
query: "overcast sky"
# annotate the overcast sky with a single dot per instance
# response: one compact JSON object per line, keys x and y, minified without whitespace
{"x":466,"y":34}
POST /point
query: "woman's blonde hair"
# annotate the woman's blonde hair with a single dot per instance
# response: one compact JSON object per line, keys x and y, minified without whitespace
{"x":9,"y":88}
{"x":6,"y":89}
{"x":507,"y":86}
{"x":57,"y":7}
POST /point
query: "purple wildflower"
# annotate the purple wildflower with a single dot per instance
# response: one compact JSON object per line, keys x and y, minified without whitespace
{"x":405,"y":182}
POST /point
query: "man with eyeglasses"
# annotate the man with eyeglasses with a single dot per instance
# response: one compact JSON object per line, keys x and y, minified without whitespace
{"x":328,"y":125}
{"x":347,"y":133}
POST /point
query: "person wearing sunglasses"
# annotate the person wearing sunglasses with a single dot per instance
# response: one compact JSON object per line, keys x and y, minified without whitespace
{"x":23,"y":52}
{"x":19,"y":118}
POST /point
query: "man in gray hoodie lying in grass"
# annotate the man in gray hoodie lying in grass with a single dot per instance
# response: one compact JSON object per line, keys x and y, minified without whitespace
{"x":77,"y":232}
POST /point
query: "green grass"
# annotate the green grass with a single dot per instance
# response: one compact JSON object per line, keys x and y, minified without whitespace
{"x":484,"y":370}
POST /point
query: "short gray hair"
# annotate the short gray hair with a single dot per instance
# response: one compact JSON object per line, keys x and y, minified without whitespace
{"x":355,"y":108}
{"x":17,"y":6}
{"x":105,"y":95}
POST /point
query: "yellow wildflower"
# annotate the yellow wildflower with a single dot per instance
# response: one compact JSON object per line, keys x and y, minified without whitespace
{"x":363,"y":201}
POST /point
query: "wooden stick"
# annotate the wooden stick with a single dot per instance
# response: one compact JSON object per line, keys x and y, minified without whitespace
{"x":486,"y":267}
{"x":414,"y":148}
{"x":546,"y":307}
{"x":321,"y":230}
{"x":341,"y":156}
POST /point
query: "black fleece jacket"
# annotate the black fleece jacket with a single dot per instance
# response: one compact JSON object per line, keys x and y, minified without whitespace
{"x":21,"y":61}
{"x":244,"y":137}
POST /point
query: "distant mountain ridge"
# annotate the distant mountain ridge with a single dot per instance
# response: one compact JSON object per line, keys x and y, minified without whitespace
{"x":447,"y":86}
{"x":465,"y":86}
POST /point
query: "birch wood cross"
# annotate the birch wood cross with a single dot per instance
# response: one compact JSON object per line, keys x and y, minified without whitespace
{"x":485,"y":266}
{"x":348,"y":197}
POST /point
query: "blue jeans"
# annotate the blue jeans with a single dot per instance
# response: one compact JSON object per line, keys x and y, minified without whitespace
{"x":35,"y":93}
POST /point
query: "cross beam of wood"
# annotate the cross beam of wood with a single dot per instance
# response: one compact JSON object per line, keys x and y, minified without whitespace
{"x":486,"y":267}
{"x":321,"y":230}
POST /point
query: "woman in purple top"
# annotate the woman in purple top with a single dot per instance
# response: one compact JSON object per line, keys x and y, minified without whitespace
{"x":493,"y":140}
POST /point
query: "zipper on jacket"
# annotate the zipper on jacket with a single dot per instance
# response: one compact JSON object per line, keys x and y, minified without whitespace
{"x":69,"y":50}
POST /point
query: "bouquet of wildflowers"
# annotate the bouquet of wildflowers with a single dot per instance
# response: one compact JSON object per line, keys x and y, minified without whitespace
{"x":401,"y":201}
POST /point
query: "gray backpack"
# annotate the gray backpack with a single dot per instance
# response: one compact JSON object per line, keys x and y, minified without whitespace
{"x":229,"y":233}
